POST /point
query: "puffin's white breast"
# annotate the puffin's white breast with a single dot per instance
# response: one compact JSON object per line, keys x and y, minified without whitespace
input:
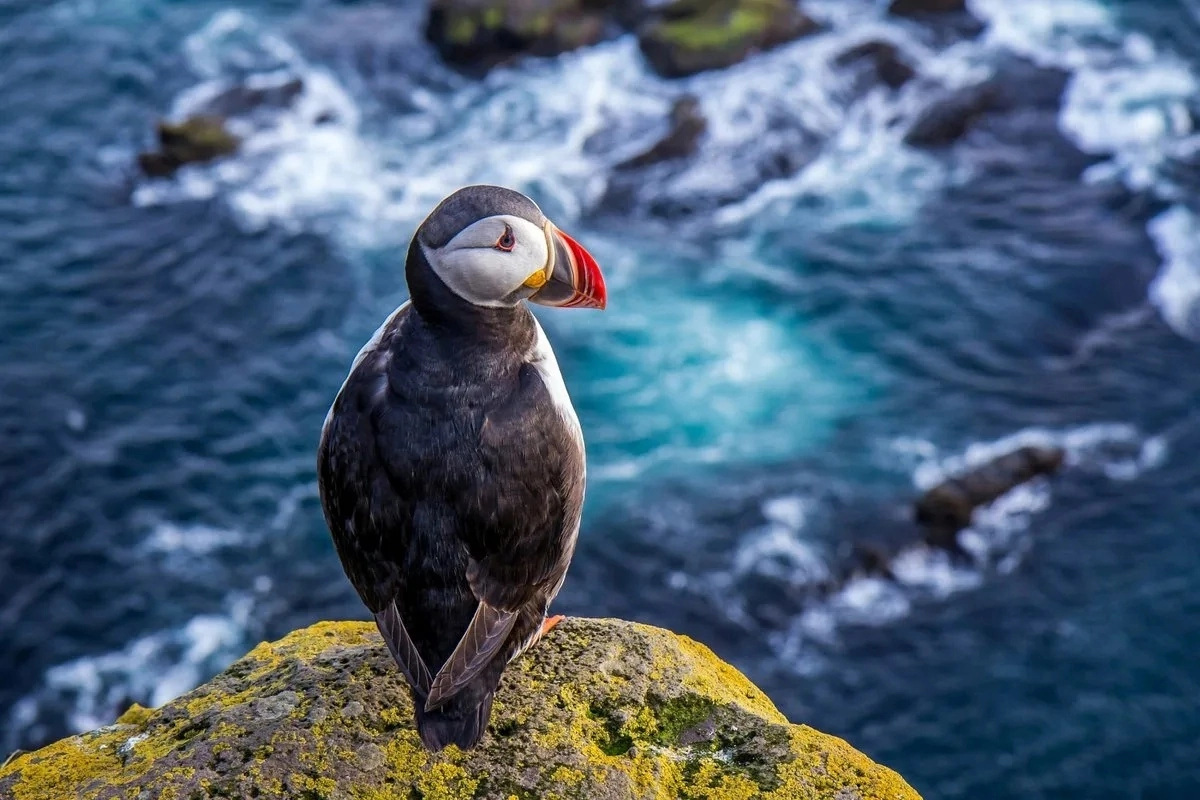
{"x":542,"y":359}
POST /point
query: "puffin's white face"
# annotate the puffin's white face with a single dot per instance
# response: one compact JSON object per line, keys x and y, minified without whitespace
{"x":495,"y":262}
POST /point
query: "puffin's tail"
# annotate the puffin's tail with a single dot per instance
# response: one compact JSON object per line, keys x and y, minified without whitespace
{"x":454,"y":723}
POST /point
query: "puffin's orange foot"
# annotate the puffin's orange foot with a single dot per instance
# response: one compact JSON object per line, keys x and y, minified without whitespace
{"x":550,"y":623}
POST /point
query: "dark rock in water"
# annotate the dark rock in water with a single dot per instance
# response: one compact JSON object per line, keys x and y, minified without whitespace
{"x":862,"y":559}
{"x":945,"y":17}
{"x":662,"y":189}
{"x":884,"y":60}
{"x":195,"y":140}
{"x":484,"y":33}
{"x":239,"y":100}
{"x":948,"y":119}
{"x":907,"y":8}
{"x":1017,"y":85}
{"x":690,"y":36}
{"x":682,"y":139}
{"x":947,"y":508}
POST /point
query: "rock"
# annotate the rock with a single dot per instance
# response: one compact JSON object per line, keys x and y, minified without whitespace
{"x":910,"y":8}
{"x":1018,"y":84}
{"x":689,"y":36}
{"x":870,"y":560}
{"x":948,"y":507}
{"x":947,"y":19}
{"x":682,"y":139}
{"x":238,"y":100}
{"x":949,"y":119}
{"x":600,"y":709}
{"x":883,"y":59}
{"x":484,"y":33}
{"x":195,"y":140}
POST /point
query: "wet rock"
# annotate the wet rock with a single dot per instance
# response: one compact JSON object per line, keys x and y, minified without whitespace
{"x":600,"y":709}
{"x":195,"y":140}
{"x":870,"y":560}
{"x":682,"y":139}
{"x":484,"y":33}
{"x":689,"y":36}
{"x":239,"y":100}
{"x":1017,"y":86}
{"x":947,"y":19}
{"x":908,"y":8}
{"x":949,"y":119}
{"x":883,"y":59}
{"x":948,"y":507}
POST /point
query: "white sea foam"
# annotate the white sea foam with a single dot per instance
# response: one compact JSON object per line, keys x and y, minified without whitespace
{"x":1116,"y":449}
{"x":1128,"y":99}
{"x":189,"y":540}
{"x":152,"y":669}
{"x":302,"y":166}
{"x":778,"y":550}
{"x":1176,"y":289}
{"x":532,"y":128}
{"x":999,"y":536}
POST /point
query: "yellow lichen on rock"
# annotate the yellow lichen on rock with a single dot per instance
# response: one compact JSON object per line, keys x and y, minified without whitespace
{"x":600,"y":709}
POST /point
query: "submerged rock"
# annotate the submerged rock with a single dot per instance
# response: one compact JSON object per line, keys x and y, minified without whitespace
{"x":681,"y":140}
{"x":244,"y":99}
{"x":483,"y":33}
{"x":883,"y":59}
{"x":948,"y":119}
{"x":906,"y":8}
{"x":1017,"y":85}
{"x":948,"y":507}
{"x":195,"y":140}
{"x":948,"y":19}
{"x":689,"y":36}
{"x":600,"y":709}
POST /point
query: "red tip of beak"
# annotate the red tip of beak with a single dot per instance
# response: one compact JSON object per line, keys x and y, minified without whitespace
{"x":590,"y":291}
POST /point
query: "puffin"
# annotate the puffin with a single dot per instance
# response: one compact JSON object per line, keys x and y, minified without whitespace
{"x":451,"y":465}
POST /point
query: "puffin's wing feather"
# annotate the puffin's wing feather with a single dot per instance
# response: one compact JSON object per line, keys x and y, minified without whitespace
{"x":401,"y":646}
{"x":483,"y":638}
{"x":533,"y":455}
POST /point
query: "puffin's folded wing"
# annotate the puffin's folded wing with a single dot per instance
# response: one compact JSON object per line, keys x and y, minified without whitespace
{"x":488,"y":631}
{"x":403,"y":651}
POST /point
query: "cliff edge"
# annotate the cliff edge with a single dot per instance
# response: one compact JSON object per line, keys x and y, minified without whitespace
{"x":600,"y":709}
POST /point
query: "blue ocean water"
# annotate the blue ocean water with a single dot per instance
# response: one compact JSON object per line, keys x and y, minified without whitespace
{"x":778,"y":373}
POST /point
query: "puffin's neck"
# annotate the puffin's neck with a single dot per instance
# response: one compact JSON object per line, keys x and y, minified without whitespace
{"x":458,"y":322}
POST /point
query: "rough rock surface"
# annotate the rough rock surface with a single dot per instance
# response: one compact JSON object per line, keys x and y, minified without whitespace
{"x":195,"y":140}
{"x":690,"y":36}
{"x":601,"y":709}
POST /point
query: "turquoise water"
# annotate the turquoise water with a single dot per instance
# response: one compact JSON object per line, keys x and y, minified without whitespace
{"x":777,"y":374}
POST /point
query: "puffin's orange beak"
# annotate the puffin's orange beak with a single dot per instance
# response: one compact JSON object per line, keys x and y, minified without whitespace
{"x":575,"y":279}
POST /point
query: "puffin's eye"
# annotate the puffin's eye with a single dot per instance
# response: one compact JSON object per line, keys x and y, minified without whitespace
{"x":507,"y":241}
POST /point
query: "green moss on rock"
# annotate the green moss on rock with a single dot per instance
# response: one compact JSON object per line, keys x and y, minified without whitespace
{"x":600,"y":709}
{"x":689,"y":36}
{"x":194,"y":140}
{"x":484,"y":33}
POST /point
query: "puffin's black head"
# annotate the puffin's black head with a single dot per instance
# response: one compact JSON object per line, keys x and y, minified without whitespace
{"x":492,"y":247}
